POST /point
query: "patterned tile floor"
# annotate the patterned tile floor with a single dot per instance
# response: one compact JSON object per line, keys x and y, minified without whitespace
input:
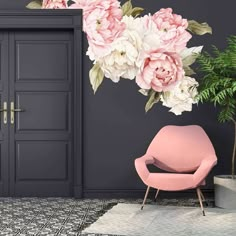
{"x":61,"y":216}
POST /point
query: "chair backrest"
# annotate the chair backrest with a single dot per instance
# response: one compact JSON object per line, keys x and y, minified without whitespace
{"x":180,"y":148}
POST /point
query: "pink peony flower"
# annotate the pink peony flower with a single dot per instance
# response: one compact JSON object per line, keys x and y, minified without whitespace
{"x":102,"y":23}
{"x":160,"y":71}
{"x":86,"y":5}
{"x":54,"y":4}
{"x":173,"y":29}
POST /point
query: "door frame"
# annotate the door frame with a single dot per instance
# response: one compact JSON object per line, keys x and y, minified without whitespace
{"x":59,"y":19}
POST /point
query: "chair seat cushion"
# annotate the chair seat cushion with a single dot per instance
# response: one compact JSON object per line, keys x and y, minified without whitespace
{"x":171,"y":181}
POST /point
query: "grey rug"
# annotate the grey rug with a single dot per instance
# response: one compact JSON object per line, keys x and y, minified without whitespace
{"x":129,"y":220}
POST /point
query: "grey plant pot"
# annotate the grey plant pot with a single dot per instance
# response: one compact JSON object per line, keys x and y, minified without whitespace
{"x":225,"y":191}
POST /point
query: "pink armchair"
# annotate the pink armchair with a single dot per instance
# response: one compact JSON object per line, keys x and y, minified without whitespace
{"x":181,"y":151}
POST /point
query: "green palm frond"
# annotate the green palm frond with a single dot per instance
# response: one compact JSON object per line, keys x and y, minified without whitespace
{"x":218,"y":84}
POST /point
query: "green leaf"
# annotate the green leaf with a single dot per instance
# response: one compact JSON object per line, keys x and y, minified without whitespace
{"x":36,"y":4}
{"x":234,"y":86}
{"x":226,"y":114}
{"x":96,"y":77}
{"x":189,"y":55}
{"x":153,"y":99}
{"x":199,"y":28}
{"x":136,"y":11}
{"x":189,"y":71}
{"x":127,"y":8}
{"x":70,"y":2}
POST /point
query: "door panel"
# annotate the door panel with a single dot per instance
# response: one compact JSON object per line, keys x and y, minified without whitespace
{"x":54,"y":65}
{"x":44,"y":111}
{"x":41,"y":136}
{"x":3,"y":126}
{"x":47,"y":160}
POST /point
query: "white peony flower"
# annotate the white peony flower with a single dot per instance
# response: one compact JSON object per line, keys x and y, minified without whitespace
{"x":182,"y":96}
{"x":151,"y":40}
{"x":122,"y":60}
{"x":152,"y":36}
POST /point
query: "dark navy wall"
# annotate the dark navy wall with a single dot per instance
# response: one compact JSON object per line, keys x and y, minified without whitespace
{"x":116,"y":128}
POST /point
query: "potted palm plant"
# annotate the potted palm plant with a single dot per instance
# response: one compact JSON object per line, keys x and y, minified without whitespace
{"x":218,"y":86}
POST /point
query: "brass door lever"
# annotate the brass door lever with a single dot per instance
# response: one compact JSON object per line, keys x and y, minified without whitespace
{"x":4,"y":110}
{"x":13,"y":110}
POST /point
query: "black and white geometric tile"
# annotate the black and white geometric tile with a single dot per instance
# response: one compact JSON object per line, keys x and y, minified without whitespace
{"x":60,"y":216}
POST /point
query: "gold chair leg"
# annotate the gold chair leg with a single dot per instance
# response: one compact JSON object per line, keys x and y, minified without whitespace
{"x":200,"y":200}
{"x":156,"y":195}
{"x":203,"y":198}
{"x":145,"y":197}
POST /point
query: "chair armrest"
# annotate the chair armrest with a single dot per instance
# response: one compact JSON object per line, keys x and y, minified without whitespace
{"x":141,"y":166}
{"x":204,"y":169}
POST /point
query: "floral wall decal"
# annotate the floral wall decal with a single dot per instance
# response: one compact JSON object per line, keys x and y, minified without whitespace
{"x":150,"y":49}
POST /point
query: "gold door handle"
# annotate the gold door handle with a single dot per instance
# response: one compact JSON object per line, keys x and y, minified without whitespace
{"x":13,"y":110}
{"x":17,"y":110}
{"x":4,"y":110}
